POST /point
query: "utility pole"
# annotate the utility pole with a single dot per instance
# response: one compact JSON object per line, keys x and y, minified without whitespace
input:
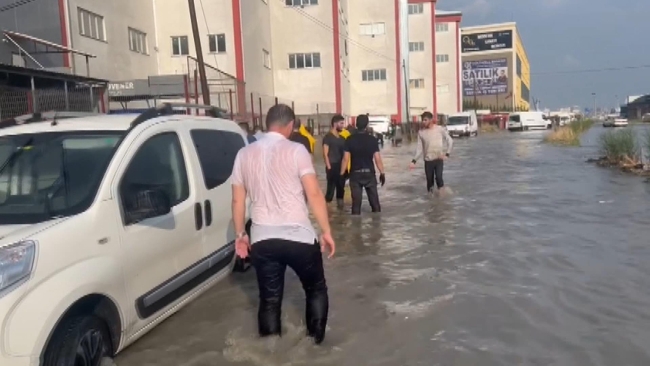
{"x":406,"y":89}
{"x":594,"y":95}
{"x":205,"y":91}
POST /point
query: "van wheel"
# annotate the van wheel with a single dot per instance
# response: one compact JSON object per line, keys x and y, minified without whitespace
{"x":79,"y":341}
{"x":243,"y":265}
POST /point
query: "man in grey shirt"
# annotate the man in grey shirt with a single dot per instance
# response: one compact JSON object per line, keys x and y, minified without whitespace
{"x":434,"y":144}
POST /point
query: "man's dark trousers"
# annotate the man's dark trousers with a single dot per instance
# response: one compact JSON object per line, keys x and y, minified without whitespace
{"x":335,"y":182}
{"x":433,"y":171}
{"x":358,"y":181}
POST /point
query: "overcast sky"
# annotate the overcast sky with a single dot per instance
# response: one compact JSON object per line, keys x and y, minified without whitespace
{"x":563,"y":36}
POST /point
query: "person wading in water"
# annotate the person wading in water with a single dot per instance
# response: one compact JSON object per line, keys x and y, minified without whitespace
{"x":431,"y":145}
{"x":362,"y":150}
{"x":277,"y":174}
{"x":333,"y":150}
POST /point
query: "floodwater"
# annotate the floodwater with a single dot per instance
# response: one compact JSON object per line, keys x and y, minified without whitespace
{"x":538,"y":258}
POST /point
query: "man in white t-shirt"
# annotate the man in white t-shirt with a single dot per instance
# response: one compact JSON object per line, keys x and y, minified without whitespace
{"x":277,"y":174}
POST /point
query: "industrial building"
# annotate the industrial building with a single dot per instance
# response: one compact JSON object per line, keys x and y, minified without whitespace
{"x":325,"y":56}
{"x":496,"y":71}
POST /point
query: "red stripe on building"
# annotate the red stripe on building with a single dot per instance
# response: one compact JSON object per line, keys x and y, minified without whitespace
{"x":239,"y":57}
{"x":64,"y":32}
{"x":458,"y":61}
{"x":434,"y":75}
{"x":398,"y":75}
{"x":337,"y":55}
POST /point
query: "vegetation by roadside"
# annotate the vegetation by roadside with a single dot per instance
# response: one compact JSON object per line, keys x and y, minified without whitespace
{"x":621,"y":149}
{"x":489,"y":128}
{"x":569,"y":135}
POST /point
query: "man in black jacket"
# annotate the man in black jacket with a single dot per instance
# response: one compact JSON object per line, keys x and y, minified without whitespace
{"x":362,"y":150}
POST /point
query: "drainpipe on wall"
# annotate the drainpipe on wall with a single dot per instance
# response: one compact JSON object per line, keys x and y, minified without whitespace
{"x":404,"y":52}
{"x":155,"y":27}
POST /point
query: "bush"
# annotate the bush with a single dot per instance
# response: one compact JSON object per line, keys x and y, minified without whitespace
{"x":619,"y":145}
{"x":581,"y":126}
{"x":569,"y":135}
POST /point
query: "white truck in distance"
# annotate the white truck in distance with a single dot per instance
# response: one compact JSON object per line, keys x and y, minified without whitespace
{"x":462,"y":124}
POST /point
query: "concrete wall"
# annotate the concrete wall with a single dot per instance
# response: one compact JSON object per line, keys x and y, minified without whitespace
{"x":379,"y":52}
{"x":294,"y":32}
{"x":344,"y":52}
{"x":421,"y":62}
{"x":256,"y":21}
{"x":115,"y":61}
{"x":447,"y":88}
{"x":173,"y":19}
{"x":38,"y":19}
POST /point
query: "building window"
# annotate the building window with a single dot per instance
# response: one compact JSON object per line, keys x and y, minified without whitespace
{"x":301,"y":2}
{"x":518,"y":66}
{"x":180,"y":46}
{"x":137,"y":41}
{"x":416,"y":8}
{"x":91,"y":25}
{"x":373,"y":75}
{"x":266,"y":59}
{"x":442,"y":89}
{"x":217,"y":43}
{"x":304,"y":60}
{"x":442,"y":27}
{"x":442,"y":58}
{"x":372,"y":29}
{"x":346,"y":47}
{"x":416,"y":83}
{"x":416,"y":46}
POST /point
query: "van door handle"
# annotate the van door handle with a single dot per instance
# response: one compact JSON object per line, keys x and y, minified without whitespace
{"x":208,"y":212}
{"x":198,"y":216}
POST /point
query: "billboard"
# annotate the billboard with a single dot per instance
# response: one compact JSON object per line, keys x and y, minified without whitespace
{"x":488,"y":41}
{"x":485,"y":77}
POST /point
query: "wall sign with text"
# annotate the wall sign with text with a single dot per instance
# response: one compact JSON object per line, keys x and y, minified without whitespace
{"x":488,"y":41}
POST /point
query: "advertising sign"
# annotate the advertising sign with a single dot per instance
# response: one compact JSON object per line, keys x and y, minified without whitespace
{"x":488,"y":41}
{"x":485,"y":77}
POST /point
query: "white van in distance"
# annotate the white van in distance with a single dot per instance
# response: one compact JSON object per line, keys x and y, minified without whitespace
{"x":462,"y":124}
{"x":524,"y":121}
{"x":379,"y":124}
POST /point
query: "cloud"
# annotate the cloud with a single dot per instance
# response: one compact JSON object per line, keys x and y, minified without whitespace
{"x":570,"y":61}
{"x":552,"y":3}
{"x":478,"y":7}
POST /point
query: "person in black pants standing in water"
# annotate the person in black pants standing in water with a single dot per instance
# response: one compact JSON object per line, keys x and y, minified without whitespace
{"x":434,"y":143}
{"x":362,"y":150}
{"x":333,"y":150}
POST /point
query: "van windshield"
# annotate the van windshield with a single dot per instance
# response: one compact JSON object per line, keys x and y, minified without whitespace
{"x":47,"y":175}
{"x":458,"y":120}
{"x":514,"y":118}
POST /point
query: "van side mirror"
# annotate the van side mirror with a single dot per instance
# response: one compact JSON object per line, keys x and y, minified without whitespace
{"x":146,"y":204}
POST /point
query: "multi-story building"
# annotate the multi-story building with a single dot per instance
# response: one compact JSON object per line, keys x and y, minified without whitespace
{"x":496,"y":72}
{"x":118,"y":33}
{"x":330,"y":56}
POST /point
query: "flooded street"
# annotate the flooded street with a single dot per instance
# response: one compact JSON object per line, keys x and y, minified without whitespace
{"x":538,"y":258}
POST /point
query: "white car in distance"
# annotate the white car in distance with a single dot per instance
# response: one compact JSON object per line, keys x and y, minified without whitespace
{"x":109,"y":225}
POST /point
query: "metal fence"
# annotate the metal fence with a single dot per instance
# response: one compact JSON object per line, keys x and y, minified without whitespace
{"x":15,"y":102}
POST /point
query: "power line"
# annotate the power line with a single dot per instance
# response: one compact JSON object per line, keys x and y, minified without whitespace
{"x":14,"y":5}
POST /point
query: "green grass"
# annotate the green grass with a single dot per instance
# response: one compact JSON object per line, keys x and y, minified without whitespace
{"x":569,"y":135}
{"x":619,"y":145}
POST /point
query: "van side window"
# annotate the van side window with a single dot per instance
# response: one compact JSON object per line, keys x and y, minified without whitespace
{"x":158,"y":164}
{"x":217,"y":151}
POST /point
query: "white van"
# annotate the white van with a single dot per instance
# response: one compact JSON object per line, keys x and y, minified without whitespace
{"x":109,"y":225}
{"x":379,"y":124}
{"x":462,"y":124}
{"x":524,"y":121}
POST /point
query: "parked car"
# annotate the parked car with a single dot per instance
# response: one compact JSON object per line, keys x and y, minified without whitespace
{"x":615,"y":121}
{"x":524,"y":121}
{"x":109,"y":224}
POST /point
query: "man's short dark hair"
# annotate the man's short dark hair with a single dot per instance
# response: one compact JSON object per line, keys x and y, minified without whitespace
{"x":337,"y":118}
{"x":428,"y":115}
{"x":279,"y":115}
{"x":362,"y":121}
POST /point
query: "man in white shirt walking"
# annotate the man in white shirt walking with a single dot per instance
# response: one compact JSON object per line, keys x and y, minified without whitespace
{"x":434,"y":145}
{"x":277,"y":174}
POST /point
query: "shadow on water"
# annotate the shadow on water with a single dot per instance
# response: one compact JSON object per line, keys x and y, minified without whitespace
{"x":536,"y":259}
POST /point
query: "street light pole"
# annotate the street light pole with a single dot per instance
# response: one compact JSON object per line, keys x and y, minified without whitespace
{"x":205,"y":91}
{"x":594,"y":95}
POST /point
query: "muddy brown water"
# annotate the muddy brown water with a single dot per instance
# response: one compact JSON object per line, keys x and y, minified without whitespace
{"x":537,"y":259}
